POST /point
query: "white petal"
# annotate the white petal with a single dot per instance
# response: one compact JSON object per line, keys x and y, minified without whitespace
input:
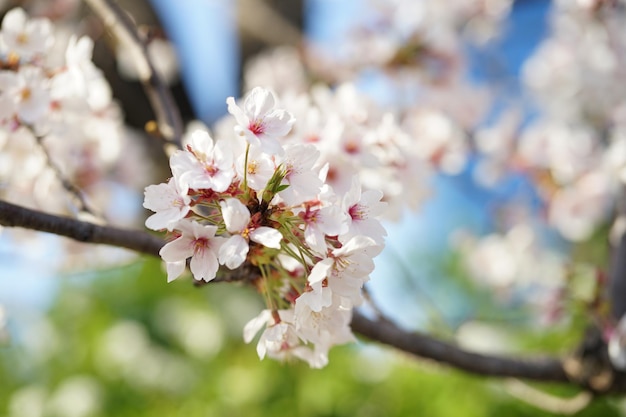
{"x":176,"y":250}
{"x":174,"y":269}
{"x":258,"y":103}
{"x":233,"y":252}
{"x":267,"y":236}
{"x":320,"y":271}
{"x":236,"y":215}
{"x":236,"y":111}
{"x":204,"y":265}
{"x":253,"y":326}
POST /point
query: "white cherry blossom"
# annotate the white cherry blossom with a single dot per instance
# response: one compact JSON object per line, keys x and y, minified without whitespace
{"x":237,"y":220}
{"x":204,"y":164}
{"x":197,"y":242}
{"x":28,"y":38}
{"x":259,"y":169}
{"x":260,"y":122}
{"x":303,"y":179}
{"x":347,"y":268}
{"x":279,"y":339}
{"x":170,"y":203}
{"x":29,"y":92}
{"x":320,"y":222}
{"x":363,"y":208}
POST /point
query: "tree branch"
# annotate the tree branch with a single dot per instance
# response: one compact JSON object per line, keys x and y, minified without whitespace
{"x":617,"y":272}
{"x":384,"y":331}
{"x":12,"y":215}
{"x":168,"y":116}
{"x":425,"y":346}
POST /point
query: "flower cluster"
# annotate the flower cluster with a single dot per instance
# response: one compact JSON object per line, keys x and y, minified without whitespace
{"x":255,"y":199}
{"x":58,"y":122}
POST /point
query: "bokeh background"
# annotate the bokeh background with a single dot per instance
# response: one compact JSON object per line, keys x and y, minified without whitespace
{"x":121,"y":342}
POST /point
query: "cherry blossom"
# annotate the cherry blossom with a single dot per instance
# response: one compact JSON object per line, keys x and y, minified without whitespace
{"x":321,"y":222}
{"x":237,"y":220}
{"x":197,"y":242}
{"x":304,"y":183}
{"x":27,"y":92}
{"x":363,"y":210}
{"x":260,"y":122}
{"x":205,"y":165}
{"x":27,"y":38}
{"x":259,"y":169}
{"x":170,"y":203}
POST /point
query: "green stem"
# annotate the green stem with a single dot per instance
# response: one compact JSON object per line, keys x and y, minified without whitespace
{"x":245,"y":172}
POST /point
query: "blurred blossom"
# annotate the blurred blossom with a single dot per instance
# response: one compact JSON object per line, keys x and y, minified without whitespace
{"x":4,"y":321}
{"x":127,"y":352}
{"x":484,"y":338}
{"x":76,"y":396}
{"x":577,"y":211}
{"x":514,"y":264}
{"x":41,"y":339}
{"x":29,"y":401}
{"x":199,"y":332}
{"x":281,"y":69}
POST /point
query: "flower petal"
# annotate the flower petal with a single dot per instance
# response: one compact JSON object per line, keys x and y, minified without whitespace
{"x":267,"y":236}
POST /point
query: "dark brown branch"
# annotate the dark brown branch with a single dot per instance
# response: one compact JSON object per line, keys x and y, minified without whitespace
{"x":617,"y":273}
{"x":161,"y":100}
{"x":422,"y":345}
{"x":617,"y":280}
{"x":384,"y":331}
{"x":12,"y":215}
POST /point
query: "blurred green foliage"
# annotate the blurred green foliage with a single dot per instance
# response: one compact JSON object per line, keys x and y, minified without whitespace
{"x":126,"y":343}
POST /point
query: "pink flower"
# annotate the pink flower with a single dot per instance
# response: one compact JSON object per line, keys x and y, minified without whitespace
{"x":197,"y":242}
{"x":260,"y":122}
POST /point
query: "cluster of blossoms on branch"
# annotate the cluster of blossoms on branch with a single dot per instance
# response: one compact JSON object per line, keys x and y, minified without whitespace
{"x":253,"y":198}
{"x":58,"y":123}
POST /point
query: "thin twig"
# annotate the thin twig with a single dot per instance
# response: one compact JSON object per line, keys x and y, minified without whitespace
{"x":545,"y":401}
{"x":69,"y":186}
{"x":161,"y":100}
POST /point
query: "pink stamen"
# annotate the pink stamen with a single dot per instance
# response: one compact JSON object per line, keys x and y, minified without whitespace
{"x":256,"y":127}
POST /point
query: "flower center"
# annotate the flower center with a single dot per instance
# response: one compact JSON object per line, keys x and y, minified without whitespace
{"x":25,"y":94}
{"x":22,"y":38}
{"x":252,"y":167}
{"x":357,"y":212}
{"x":200,"y":244}
{"x":211,"y":170}
{"x":256,"y":127}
